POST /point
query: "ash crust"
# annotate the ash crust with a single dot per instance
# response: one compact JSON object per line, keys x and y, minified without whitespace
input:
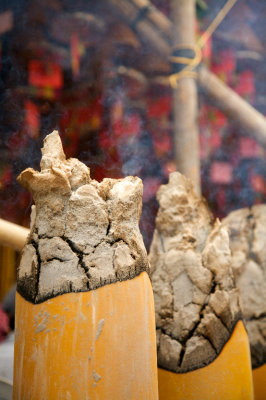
{"x":196,"y":301}
{"x":247,"y":230}
{"x":84,"y":234}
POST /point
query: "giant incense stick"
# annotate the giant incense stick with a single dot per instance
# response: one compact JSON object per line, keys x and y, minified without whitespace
{"x":196,"y":302}
{"x":84,"y":310}
{"x":247,"y":228}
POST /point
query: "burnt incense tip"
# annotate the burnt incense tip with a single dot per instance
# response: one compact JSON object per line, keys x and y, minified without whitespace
{"x":52,"y":151}
{"x":84,"y":234}
{"x":247,"y":230}
{"x":196,"y":302}
{"x":57,"y":174}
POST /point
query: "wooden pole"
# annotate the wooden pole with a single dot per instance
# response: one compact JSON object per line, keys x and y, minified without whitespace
{"x":232,"y":105}
{"x":147,"y":30}
{"x":12,"y":235}
{"x":185,"y":101}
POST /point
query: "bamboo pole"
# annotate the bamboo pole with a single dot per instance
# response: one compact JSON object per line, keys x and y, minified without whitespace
{"x":185,"y":101}
{"x":146,"y":29}
{"x":12,"y":235}
{"x":232,"y":105}
{"x":157,"y":18}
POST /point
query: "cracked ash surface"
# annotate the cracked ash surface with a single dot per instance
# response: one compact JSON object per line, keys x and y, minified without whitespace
{"x":196,"y":302}
{"x":247,"y":229}
{"x":84,"y":234}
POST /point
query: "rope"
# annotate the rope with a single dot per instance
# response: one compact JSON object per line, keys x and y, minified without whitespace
{"x":191,"y":63}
